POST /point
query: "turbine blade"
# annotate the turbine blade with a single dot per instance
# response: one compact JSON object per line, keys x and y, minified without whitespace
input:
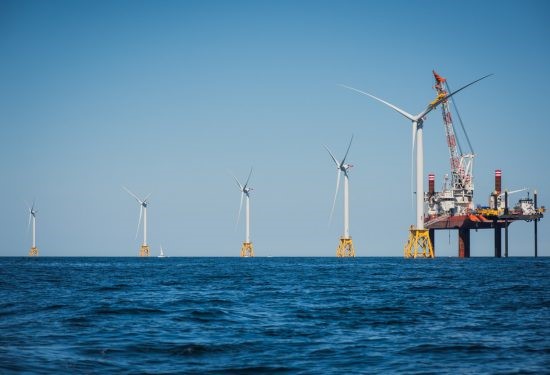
{"x":346,"y":155}
{"x":241,"y":188}
{"x":399,"y":110}
{"x":139,"y":222}
{"x":29,"y":224}
{"x":335,"y":195}
{"x":332,"y":156}
{"x":132,"y":194}
{"x":434,"y":104}
{"x":248,"y":178}
{"x":147,"y":197}
{"x":240,"y":209}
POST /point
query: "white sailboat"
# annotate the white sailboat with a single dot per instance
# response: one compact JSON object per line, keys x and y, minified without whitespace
{"x":161,"y":255}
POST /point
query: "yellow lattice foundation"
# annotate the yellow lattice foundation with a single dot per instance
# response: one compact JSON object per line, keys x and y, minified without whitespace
{"x":419,"y":244}
{"x":345,"y":248}
{"x":33,"y":252}
{"x":144,"y":251}
{"x":247,"y":250}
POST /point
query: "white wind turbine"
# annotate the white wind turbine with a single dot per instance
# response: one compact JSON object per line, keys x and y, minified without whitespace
{"x":142,"y":212}
{"x":417,"y":125}
{"x":345,"y":248}
{"x":247,"y":249}
{"x":418,"y":236}
{"x":32,"y":219}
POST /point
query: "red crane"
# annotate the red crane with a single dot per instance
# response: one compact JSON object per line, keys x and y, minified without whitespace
{"x":458,"y":197}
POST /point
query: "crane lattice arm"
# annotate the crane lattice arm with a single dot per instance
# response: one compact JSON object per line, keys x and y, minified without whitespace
{"x":458,"y":197}
{"x":461,"y":164}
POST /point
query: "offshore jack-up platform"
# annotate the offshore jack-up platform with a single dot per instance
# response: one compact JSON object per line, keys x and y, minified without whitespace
{"x":445,"y":212}
{"x":453,"y":206}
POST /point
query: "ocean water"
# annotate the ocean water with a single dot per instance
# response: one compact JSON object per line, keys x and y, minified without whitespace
{"x":274,"y":315}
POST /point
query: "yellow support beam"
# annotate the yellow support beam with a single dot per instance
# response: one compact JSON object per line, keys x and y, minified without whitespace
{"x":247,"y":250}
{"x":419,"y":244}
{"x":33,"y":252}
{"x":144,"y":251}
{"x":345,"y":248}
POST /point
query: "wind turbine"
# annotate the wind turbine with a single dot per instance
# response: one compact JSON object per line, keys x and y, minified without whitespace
{"x":418,"y":236}
{"x":32,"y":218}
{"x":144,"y":251}
{"x":345,"y":247}
{"x":247,"y":250}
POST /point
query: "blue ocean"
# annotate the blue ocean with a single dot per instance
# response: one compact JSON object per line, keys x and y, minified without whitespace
{"x":274,"y":315}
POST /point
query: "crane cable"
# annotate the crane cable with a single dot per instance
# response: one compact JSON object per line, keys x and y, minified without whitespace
{"x":461,"y":125}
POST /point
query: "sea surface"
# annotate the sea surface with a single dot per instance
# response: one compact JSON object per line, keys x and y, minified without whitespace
{"x":274,"y":315}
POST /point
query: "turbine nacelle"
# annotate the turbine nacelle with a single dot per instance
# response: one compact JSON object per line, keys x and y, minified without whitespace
{"x":32,"y":211}
{"x":345,"y":167}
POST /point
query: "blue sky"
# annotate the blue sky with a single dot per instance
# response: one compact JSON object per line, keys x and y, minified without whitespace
{"x":167,"y":97}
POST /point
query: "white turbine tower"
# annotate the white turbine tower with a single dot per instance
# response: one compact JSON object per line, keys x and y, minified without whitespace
{"x":247,"y":250}
{"x":144,"y":250}
{"x":345,"y":247}
{"x":418,"y":237}
{"x":32,"y":219}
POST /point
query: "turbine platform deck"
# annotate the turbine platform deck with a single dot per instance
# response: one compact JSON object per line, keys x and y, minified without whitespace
{"x":477,"y":221}
{"x":463,"y":223}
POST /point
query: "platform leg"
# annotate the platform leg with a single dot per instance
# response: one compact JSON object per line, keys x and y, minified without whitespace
{"x":498,"y":240}
{"x":536,"y":239}
{"x":463,"y":243}
{"x":506,"y":238}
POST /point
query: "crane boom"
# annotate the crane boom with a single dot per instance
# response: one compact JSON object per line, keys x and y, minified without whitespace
{"x":449,"y":128}
{"x":458,"y":197}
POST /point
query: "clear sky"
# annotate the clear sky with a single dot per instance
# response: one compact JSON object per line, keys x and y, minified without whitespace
{"x":166,"y":97}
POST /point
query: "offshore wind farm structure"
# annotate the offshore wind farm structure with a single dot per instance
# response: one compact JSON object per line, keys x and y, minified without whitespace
{"x":453,"y":207}
{"x":247,"y":249}
{"x":345,"y":247}
{"x":33,"y":252}
{"x":144,"y":249}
